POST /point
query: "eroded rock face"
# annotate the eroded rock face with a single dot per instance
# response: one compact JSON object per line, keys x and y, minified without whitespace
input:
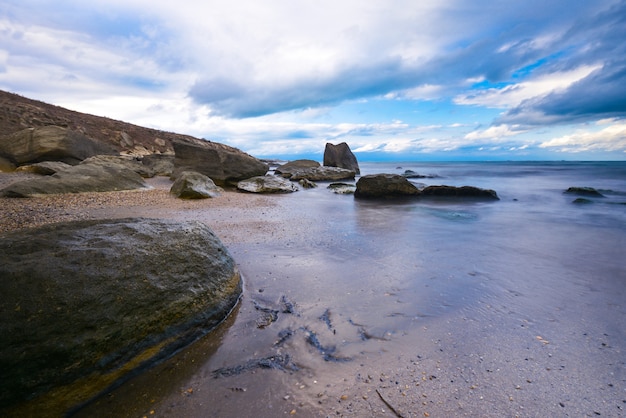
{"x":340,"y":156}
{"x":160,"y":164}
{"x":223,"y":164}
{"x":385,"y":186}
{"x":44,"y":168}
{"x":87,"y":303}
{"x":267,"y":184}
{"x":50,"y":143}
{"x":192,"y":185}
{"x":99,"y":177}
{"x":126,"y":161}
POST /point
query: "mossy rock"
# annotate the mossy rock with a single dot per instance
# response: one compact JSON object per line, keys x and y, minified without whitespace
{"x":85,"y":304}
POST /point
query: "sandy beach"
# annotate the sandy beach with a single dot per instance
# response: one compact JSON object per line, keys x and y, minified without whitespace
{"x":460,"y":344}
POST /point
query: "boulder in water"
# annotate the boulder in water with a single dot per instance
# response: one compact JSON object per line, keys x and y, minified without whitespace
{"x":340,"y":156}
{"x":464,"y":192}
{"x":385,"y":186}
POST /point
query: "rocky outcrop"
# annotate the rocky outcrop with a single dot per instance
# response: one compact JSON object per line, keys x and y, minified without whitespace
{"x":340,"y":156}
{"x":192,"y":185}
{"x":76,"y":179}
{"x":225,"y":165}
{"x":6,"y":166}
{"x":267,"y":184}
{"x":312,"y":170}
{"x":160,"y":164}
{"x":323,"y":174}
{"x":124,"y":161}
{"x":584,"y":191}
{"x":288,"y":169}
{"x":50,"y":143}
{"x":463,"y":192}
{"x":45,"y":168}
{"x":86,"y":304}
{"x":385,"y":186}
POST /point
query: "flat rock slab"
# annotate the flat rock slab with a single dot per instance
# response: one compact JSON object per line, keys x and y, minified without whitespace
{"x":84,"y":304}
{"x":267,"y":184}
{"x":100,"y":177}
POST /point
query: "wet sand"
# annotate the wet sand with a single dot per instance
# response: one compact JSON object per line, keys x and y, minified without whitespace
{"x":462,"y":342}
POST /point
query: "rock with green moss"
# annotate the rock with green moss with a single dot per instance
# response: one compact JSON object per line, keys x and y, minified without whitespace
{"x":85,"y":304}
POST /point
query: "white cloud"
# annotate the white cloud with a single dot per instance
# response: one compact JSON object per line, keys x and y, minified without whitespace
{"x":611,"y":138}
{"x":514,"y":94}
{"x":494,"y":132}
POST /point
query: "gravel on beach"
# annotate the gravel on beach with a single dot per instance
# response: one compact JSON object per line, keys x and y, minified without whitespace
{"x":18,"y":213}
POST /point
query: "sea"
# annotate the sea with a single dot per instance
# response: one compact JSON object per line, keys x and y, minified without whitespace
{"x":514,"y":307}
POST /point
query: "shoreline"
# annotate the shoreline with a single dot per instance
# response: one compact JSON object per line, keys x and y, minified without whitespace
{"x":431,"y":331}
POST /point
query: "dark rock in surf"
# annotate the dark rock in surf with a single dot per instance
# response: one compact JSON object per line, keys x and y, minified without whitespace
{"x":340,"y":156}
{"x":85,"y":304}
{"x":410,"y":174}
{"x":342,"y":188}
{"x":582,"y":201}
{"x":463,"y":192}
{"x":584,"y":191}
{"x":385,"y":186}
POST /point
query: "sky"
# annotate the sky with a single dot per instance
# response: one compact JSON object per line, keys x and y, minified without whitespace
{"x":396,"y":80}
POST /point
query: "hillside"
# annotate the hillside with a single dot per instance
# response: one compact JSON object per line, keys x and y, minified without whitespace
{"x":17,"y":113}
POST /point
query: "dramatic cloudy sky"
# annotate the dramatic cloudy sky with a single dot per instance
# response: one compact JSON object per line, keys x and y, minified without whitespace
{"x":440,"y":79}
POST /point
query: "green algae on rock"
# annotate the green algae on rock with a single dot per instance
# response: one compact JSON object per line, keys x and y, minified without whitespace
{"x":87,"y":303}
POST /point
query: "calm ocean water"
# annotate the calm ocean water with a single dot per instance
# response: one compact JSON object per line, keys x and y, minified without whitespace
{"x":512,"y":307}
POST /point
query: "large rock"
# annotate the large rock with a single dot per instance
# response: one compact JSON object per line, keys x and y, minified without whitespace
{"x":385,"y":185}
{"x":192,"y":185}
{"x":463,"y":192}
{"x":225,"y":165}
{"x":340,"y":156}
{"x":76,"y":179}
{"x":267,"y":184}
{"x":44,"y":168}
{"x":288,"y":169}
{"x":50,"y":143}
{"x":323,"y":174}
{"x":86,"y":304}
{"x":125,"y":161}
